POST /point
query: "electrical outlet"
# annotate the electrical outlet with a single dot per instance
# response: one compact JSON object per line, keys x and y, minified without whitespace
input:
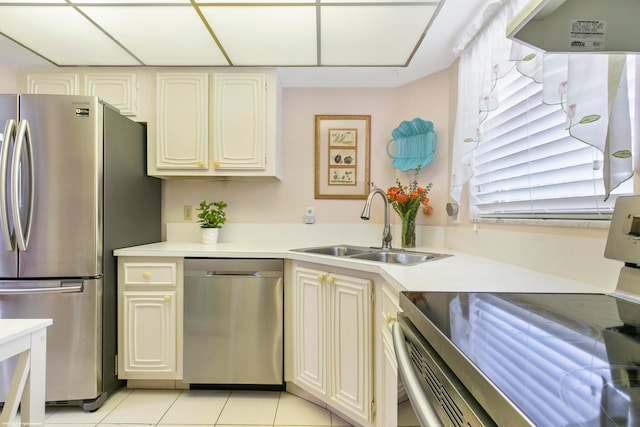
{"x":309,"y":215}
{"x":188,"y":212}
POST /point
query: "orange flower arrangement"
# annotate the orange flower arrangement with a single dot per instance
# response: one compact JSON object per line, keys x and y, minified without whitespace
{"x":406,"y":201}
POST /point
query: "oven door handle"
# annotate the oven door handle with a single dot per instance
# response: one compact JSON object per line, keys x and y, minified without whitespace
{"x":424,"y":409}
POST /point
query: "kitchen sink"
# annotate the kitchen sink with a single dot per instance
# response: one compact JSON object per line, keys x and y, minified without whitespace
{"x":388,"y":256}
{"x":338,"y":250}
{"x":399,"y":257}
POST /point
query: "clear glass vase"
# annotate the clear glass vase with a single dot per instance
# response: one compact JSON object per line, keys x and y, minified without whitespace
{"x":409,"y":231}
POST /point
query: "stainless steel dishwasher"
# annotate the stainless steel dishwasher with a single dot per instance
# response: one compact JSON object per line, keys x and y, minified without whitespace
{"x":233,"y":323}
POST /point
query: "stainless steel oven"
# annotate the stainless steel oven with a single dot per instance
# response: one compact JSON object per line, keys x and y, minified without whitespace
{"x":405,"y":415}
{"x":518,"y":359}
{"x":437,"y":396}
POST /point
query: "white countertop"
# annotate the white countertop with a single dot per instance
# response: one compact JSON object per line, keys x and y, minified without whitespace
{"x":11,"y":329}
{"x":460,"y":272}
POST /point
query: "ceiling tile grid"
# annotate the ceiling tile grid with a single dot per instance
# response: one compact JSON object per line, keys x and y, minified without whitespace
{"x":279,"y":33}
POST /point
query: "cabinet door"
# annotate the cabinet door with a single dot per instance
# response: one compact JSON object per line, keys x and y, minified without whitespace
{"x":54,"y":83}
{"x":182,"y":122}
{"x":118,"y":89}
{"x":310,"y":339}
{"x":149,"y":328}
{"x":239,"y":114}
{"x":388,"y":387}
{"x":350,"y":326}
{"x":388,"y":382}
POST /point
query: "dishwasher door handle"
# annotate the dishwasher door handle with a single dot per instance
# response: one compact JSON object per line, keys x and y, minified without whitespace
{"x":232,"y":273}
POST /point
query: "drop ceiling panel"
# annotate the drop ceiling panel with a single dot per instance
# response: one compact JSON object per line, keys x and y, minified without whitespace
{"x":279,"y":33}
{"x":62,"y":35}
{"x":380,"y":35}
{"x":253,"y":2}
{"x":405,"y":2}
{"x":265,"y":35}
{"x":168,"y":35}
{"x":122,"y":2}
{"x":43,"y":2}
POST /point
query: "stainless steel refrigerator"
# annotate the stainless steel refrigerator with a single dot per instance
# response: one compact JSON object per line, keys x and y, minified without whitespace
{"x":73,"y":188}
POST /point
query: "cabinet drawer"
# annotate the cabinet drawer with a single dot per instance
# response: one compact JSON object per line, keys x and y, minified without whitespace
{"x":141,"y":273}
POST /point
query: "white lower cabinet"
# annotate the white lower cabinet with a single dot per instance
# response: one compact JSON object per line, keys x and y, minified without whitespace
{"x":149,"y":318}
{"x":149,"y":330}
{"x":386,"y":364}
{"x":388,"y":383}
{"x":332,"y":342}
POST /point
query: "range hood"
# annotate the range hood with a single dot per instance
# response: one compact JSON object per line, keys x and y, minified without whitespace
{"x":589,"y":26}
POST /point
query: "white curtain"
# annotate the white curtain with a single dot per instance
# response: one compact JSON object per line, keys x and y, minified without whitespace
{"x":590,"y":88}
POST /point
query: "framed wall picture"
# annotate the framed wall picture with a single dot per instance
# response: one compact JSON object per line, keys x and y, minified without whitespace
{"x":342,"y":157}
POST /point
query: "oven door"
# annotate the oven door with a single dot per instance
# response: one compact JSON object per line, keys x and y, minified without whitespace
{"x":418,"y":404}
{"x":436,"y":394}
{"x":405,"y":415}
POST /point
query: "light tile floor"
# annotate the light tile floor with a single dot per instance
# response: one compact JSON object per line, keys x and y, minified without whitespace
{"x":196,"y":408}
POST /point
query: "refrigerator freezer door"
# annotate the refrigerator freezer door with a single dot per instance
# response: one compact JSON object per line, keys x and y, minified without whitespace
{"x":8,"y":123}
{"x":66,"y":137}
{"x":73,"y":341}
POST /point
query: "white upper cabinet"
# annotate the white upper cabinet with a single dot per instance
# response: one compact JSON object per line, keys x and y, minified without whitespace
{"x":54,"y":83}
{"x":202,"y":123}
{"x":182,"y":145}
{"x":239,"y":115}
{"x":117,"y":89}
{"x":228,"y":130}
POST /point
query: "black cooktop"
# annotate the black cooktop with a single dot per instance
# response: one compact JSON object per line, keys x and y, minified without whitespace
{"x":562,"y":359}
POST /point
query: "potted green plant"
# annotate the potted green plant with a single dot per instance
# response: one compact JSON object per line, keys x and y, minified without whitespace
{"x":211,"y":218}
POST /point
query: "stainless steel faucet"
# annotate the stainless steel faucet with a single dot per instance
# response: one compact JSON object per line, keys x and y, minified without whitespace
{"x":366,"y":214}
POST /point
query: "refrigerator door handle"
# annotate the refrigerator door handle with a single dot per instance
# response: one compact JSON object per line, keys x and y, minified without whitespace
{"x":9,"y":138}
{"x":23,"y":146}
{"x":60,"y":289}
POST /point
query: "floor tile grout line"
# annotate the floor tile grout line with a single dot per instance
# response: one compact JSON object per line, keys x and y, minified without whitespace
{"x":215,"y":422}
{"x":174,"y":398}
{"x":169,"y":408}
{"x":275,"y":414}
{"x":122,"y":389}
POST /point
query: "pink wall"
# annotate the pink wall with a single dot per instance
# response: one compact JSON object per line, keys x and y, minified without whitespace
{"x":8,"y":79}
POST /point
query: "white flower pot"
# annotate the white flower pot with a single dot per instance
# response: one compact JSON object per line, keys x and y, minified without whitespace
{"x":210,"y":236}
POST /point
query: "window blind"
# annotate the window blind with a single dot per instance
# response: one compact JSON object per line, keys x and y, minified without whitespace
{"x":528,"y":166}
